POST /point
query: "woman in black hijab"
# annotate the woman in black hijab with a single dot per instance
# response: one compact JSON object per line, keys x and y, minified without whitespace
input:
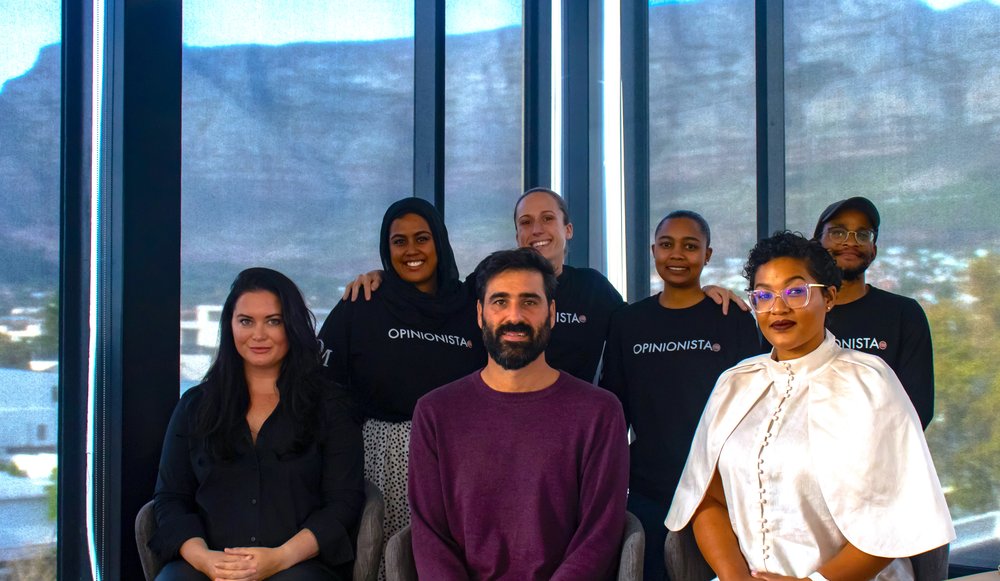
{"x":417,"y":333}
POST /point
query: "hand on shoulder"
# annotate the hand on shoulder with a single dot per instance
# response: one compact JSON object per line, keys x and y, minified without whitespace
{"x":367,"y":282}
{"x":724,"y":296}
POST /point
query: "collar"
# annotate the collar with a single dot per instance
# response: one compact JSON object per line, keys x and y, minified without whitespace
{"x":806,"y":365}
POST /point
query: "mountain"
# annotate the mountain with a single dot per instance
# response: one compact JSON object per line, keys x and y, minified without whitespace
{"x":29,"y":174}
{"x":291,"y":153}
{"x":886,"y":99}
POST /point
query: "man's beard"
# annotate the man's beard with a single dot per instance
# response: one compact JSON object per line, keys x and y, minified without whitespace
{"x":852,"y":274}
{"x":513,"y":356}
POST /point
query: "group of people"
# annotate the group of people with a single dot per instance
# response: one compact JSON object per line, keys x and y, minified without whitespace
{"x":495,"y":414}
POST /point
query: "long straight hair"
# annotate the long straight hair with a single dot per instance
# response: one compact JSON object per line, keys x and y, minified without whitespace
{"x":226,"y":397}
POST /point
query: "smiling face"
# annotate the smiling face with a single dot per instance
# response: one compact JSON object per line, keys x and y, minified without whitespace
{"x":680,"y":253}
{"x":542,"y":226}
{"x":259,"y":330}
{"x":792,"y":332}
{"x":516,"y":318}
{"x":853,"y":257}
{"x":413,"y":253}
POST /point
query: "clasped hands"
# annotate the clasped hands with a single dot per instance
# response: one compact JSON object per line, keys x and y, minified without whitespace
{"x":243,"y":563}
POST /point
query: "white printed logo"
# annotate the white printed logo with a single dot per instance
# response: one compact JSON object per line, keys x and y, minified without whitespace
{"x":671,"y":346}
{"x":862,"y":343}
{"x":432,"y":337}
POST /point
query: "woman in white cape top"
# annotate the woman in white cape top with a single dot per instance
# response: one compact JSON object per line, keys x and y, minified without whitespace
{"x":809,"y":461}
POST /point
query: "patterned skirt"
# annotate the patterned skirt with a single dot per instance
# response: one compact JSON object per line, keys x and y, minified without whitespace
{"x":387,"y":455}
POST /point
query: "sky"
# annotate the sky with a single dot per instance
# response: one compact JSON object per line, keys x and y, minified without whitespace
{"x":27,"y":26}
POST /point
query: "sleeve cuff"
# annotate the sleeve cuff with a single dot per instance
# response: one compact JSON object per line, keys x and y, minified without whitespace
{"x":335,"y":545}
{"x":169,"y":537}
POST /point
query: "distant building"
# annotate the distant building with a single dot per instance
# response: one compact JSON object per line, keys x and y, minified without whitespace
{"x":28,"y":419}
{"x":200,"y":329}
{"x":28,"y":425}
{"x":26,"y":529}
{"x":20,"y":327}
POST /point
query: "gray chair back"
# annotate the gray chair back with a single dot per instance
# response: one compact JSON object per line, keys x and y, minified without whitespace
{"x":633,"y":548}
{"x":369,"y":537}
{"x":932,"y":565}
{"x":400,"y":565}
{"x":685,"y":563}
{"x":145,"y":527}
{"x":682,"y":558}
{"x":371,"y":534}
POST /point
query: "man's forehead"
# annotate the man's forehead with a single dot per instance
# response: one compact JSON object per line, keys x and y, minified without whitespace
{"x":516,"y":282}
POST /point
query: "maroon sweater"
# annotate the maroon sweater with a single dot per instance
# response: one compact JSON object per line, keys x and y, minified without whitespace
{"x":518,"y":485}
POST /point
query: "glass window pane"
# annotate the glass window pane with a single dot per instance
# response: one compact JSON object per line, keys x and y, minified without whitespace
{"x":702,"y":125}
{"x":297,"y":134}
{"x":483,"y":98}
{"x":30,"y":64}
{"x":900,"y":102}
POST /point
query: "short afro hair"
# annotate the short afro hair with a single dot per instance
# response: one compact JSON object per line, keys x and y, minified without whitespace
{"x":690,"y":215}
{"x":786,"y":244}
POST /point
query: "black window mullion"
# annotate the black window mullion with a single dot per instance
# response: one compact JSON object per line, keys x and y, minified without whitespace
{"x":73,"y":556}
{"x":138,"y":371}
{"x":537,"y":35}
{"x":428,"y":101}
{"x":635,"y":113}
{"x":581,"y":134}
{"x":770,"y":74}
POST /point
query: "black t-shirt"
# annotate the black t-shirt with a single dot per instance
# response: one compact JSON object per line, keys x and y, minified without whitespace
{"x":895,"y":328}
{"x":663,"y":363}
{"x":585,"y":301}
{"x":388,"y":365}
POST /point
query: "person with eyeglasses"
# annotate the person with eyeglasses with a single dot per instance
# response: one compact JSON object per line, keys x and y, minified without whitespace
{"x":808,"y":462}
{"x":869,"y":319}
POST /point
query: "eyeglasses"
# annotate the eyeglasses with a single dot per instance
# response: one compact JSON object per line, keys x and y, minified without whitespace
{"x":795,"y":297}
{"x":840,"y":235}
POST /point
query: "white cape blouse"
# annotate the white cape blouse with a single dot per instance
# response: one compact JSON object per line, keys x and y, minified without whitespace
{"x":868,"y":451}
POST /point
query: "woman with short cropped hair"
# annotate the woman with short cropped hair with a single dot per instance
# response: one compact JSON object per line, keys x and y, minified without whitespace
{"x":808,"y":462}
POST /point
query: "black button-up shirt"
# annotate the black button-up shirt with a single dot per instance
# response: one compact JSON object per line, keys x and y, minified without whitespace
{"x":265,"y":495}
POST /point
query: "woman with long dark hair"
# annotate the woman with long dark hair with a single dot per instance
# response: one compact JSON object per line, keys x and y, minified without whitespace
{"x":261,"y":471}
{"x":417,"y":333}
{"x":808,"y":462}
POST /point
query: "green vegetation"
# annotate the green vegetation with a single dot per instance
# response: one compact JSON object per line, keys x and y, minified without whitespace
{"x":46,"y":345}
{"x":14,"y":354}
{"x":12,"y":469}
{"x":52,"y":496}
{"x":965,"y":435}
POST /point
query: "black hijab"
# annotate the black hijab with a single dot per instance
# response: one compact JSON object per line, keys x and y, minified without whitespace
{"x":403,"y":299}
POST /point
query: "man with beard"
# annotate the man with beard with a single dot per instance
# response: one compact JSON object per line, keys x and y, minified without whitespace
{"x":869,"y":319}
{"x":519,"y":470}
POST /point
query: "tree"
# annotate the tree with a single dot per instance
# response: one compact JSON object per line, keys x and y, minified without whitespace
{"x":965,"y":436}
{"x":46,"y":345}
{"x":52,"y":495}
{"x":14,"y":354}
